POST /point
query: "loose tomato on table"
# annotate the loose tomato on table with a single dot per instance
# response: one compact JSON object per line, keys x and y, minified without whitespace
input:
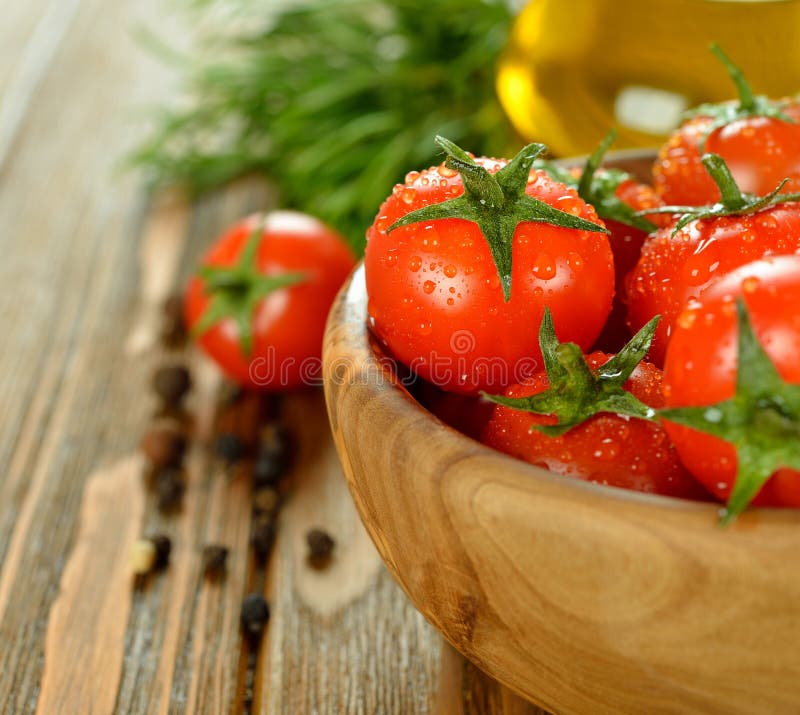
{"x":261,"y":296}
{"x":758,"y":138}
{"x":681,"y":261}
{"x":462,"y":259}
{"x":732,"y":386}
{"x":581,"y":417}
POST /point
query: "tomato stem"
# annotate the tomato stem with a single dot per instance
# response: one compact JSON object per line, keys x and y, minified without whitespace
{"x":576,"y":392}
{"x":734,"y":201}
{"x":599,"y":188}
{"x":747,"y":101}
{"x":497,"y":203}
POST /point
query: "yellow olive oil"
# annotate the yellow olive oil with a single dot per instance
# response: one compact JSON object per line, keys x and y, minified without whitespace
{"x":574,"y":68}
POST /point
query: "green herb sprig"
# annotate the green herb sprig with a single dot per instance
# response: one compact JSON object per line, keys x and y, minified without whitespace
{"x":334,"y":100}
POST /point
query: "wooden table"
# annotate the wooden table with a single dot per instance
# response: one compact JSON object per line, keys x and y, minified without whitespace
{"x":87,"y":259}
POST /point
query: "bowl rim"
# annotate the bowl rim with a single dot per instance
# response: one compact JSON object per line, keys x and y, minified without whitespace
{"x":351,"y":307}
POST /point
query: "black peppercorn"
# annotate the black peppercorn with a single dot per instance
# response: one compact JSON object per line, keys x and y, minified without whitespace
{"x":163,"y":445}
{"x":320,"y":546}
{"x":163,"y":546}
{"x":170,"y":486}
{"x":255,"y":614}
{"x":273,"y":456}
{"x":262,"y":537}
{"x":215,"y":558}
{"x":173,"y":327}
{"x":265,"y":500}
{"x":171,"y":383}
{"x":230,"y":447}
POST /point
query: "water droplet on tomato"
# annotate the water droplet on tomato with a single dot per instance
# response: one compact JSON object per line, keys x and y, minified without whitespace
{"x":450,"y":270}
{"x":544,"y":268}
{"x":428,"y":287}
{"x":425,"y":327}
{"x":446,"y":171}
{"x":407,"y":195}
{"x":450,"y":301}
{"x":750,"y":284}
{"x":415,"y":263}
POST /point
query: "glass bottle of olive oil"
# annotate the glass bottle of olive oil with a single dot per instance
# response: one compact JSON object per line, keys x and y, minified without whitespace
{"x":575,"y":68}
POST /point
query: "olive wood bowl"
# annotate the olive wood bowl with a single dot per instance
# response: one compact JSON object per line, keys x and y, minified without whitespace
{"x":581,"y":598}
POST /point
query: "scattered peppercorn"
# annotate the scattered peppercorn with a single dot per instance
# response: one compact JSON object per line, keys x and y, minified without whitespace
{"x":163,"y":546}
{"x":150,"y":553}
{"x":272,"y":457}
{"x":230,"y":447}
{"x":215,"y":558}
{"x":142,"y":557}
{"x":255,"y":614}
{"x":320,"y":547}
{"x":170,"y":485}
{"x":262,"y":537}
{"x":171,"y":383}
{"x":163,"y":445}
{"x":173,"y":327}
{"x":265,"y":500}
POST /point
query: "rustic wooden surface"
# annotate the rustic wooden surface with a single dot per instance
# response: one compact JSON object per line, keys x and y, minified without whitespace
{"x":586,"y":599}
{"x":86,"y":261}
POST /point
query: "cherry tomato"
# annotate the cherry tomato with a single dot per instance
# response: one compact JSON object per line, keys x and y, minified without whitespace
{"x":436,"y":299}
{"x":702,"y":364}
{"x":605,"y":449}
{"x":760,"y":152}
{"x":266,"y":313}
{"x":626,"y":245}
{"x":675,"y":269}
{"x":757,"y":137}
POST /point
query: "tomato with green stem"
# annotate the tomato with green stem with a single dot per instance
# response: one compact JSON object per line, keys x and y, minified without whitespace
{"x":732,"y":386}
{"x":706,"y":243}
{"x":758,"y":138}
{"x":259,"y":301}
{"x":591,"y":417}
{"x":462,"y":259}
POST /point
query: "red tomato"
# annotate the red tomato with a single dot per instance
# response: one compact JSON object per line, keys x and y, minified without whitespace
{"x":674,"y":269}
{"x":605,"y":449}
{"x":436,"y":300}
{"x":626,"y":245}
{"x":287,"y":322}
{"x":760,"y":151}
{"x":702,"y":363}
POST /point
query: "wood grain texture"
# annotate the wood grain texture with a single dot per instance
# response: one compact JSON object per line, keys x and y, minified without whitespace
{"x":87,"y":259}
{"x":585,"y":599}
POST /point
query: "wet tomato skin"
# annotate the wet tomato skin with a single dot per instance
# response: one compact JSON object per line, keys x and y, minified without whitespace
{"x":289,"y":322}
{"x":701,"y":361}
{"x":675,"y":269}
{"x":760,"y":152}
{"x":606,"y":449}
{"x":435,"y":299}
{"x":626,"y":245}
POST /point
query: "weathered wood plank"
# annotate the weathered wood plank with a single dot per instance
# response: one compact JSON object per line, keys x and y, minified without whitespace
{"x":88,"y":262}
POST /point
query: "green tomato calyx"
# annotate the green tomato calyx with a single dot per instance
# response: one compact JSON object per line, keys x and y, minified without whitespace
{"x":237,"y":290}
{"x":576,"y":391}
{"x":497,"y":203}
{"x":599,"y":188}
{"x":734,"y":202}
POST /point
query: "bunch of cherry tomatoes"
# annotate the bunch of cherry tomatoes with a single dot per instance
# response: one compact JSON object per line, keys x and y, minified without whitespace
{"x":634,"y":335}
{"x":480,"y":281}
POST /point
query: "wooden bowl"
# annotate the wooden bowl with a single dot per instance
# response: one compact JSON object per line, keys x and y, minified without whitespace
{"x":582,"y":598}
